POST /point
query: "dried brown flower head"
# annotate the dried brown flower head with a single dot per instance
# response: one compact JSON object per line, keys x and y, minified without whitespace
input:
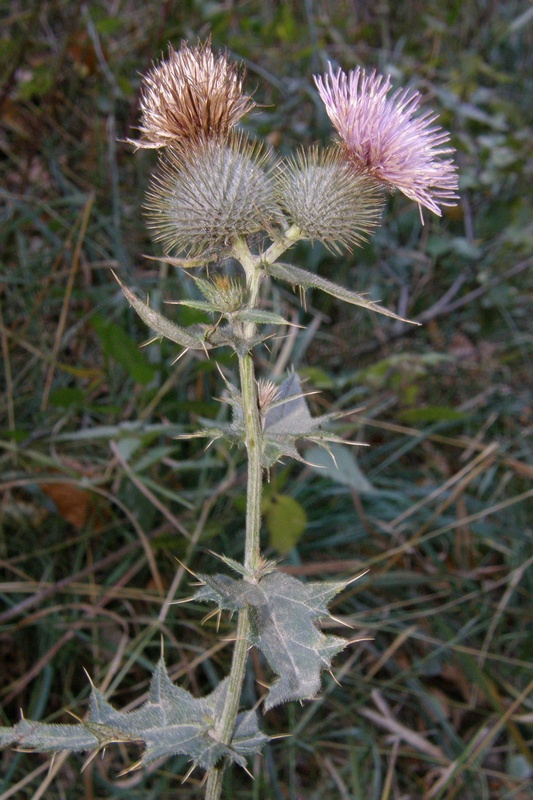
{"x":193,"y":95}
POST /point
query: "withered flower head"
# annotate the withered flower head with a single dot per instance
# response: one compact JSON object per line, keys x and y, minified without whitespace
{"x":193,"y":95}
{"x":382,"y":137}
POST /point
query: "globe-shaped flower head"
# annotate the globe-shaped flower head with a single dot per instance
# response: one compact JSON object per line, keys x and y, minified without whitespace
{"x":383,"y":137}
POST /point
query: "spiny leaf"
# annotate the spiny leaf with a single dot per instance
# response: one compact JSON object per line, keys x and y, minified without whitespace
{"x":31,"y":735}
{"x":7,"y":736}
{"x":288,"y":412}
{"x":283,"y":613}
{"x":308,"y":280}
{"x":287,"y":420}
{"x":195,"y":337}
{"x":243,"y":315}
{"x":260,"y":317}
{"x":171,"y":721}
{"x":199,"y":305}
{"x":248,"y":740}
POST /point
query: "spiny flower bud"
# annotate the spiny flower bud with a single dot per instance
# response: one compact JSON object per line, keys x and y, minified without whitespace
{"x":224,"y":293}
{"x":267,"y":393}
{"x":207,"y":195}
{"x":382,"y":137}
{"x":327,"y":200}
{"x":193,"y":95}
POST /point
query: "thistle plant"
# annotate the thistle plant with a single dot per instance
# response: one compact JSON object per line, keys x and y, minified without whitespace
{"x":219,"y":199}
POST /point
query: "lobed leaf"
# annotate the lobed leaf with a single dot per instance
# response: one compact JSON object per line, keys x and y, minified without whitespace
{"x":288,"y":419}
{"x":289,"y":413}
{"x":283,"y":613}
{"x":171,"y":721}
{"x":247,"y":740}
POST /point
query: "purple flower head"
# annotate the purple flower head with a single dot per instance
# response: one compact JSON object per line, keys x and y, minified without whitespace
{"x":381,"y":136}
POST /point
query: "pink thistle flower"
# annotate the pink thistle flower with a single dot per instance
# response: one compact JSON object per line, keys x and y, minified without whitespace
{"x":381,"y":136}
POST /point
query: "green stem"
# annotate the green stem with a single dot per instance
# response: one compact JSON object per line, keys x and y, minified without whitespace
{"x":254,"y":445}
{"x":227,"y":721}
{"x":283,"y":243}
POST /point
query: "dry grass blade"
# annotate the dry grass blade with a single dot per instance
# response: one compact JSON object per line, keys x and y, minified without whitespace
{"x":68,"y":293}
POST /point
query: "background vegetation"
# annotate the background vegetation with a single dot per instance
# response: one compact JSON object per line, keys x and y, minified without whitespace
{"x":98,"y":498}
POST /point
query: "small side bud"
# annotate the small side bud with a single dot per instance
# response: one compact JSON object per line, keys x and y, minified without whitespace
{"x":224,"y":293}
{"x":325,"y":198}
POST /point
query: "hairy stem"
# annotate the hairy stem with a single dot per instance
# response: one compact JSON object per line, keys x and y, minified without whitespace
{"x":283,"y":243}
{"x":253,"y":441}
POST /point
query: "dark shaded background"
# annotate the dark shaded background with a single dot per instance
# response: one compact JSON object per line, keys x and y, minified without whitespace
{"x":98,"y":498}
